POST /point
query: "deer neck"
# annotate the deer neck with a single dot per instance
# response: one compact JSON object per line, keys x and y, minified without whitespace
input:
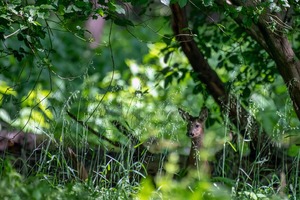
{"x":196,"y":145}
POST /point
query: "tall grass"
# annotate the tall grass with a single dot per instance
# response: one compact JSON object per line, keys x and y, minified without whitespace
{"x":119,"y":174}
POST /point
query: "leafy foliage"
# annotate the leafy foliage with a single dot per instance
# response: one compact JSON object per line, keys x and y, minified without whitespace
{"x":138,"y":76}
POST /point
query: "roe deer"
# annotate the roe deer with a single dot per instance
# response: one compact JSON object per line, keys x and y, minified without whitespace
{"x":195,"y":131}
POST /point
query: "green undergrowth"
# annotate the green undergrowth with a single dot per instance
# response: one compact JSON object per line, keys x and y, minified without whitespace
{"x":166,"y":185}
{"x":41,"y":186}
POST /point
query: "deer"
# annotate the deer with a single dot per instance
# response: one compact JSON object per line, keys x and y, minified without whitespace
{"x":195,"y":131}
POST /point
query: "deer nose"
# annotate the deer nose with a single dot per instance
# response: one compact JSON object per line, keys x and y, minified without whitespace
{"x":190,"y":134}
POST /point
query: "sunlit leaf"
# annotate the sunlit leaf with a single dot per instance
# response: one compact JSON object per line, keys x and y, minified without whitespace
{"x":165,"y":2}
{"x":5,"y":89}
{"x":208,"y":2}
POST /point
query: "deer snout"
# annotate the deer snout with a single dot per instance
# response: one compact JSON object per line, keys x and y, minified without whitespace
{"x":191,"y":134}
{"x":194,"y":133}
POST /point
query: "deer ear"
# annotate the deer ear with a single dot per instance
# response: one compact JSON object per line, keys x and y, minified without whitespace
{"x":203,"y":114}
{"x":185,"y":115}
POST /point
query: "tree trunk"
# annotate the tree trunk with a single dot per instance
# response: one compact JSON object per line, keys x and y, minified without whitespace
{"x":206,"y":74}
{"x":243,"y":120}
{"x":287,"y":63}
{"x":277,"y":46}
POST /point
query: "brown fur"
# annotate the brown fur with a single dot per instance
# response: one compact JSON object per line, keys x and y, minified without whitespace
{"x":195,"y":131}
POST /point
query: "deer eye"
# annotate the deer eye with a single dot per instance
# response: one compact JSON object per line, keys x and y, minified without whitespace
{"x":197,"y":125}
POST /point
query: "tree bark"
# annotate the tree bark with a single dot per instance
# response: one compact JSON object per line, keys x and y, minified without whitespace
{"x":275,"y":43}
{"x":277,"y":46}
{"x":287,"y":63}
{"x":206,"y":74}
{"x":239,"y":116}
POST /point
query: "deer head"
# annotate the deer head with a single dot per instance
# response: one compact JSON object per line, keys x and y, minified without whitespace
{"x":195,"y":126}
{"x":195,"y":130}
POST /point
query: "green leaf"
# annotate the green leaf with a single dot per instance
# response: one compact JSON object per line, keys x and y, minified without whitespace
{"x":123,"y":22}
{"x":182,"y":3}
{"x":47,"y":7}
{"x":232,"y":146}
{"x":294,"y":150}
{"x":167,"y":56}
{"x":247,"y":21}
{"x":207,"y":2}
{"x":111,"y":6}
{"x":246,"y":92}
{"x":168,"y":81}
{"x":165,"y":2}
{"x":100,"y":11}
{"x":165,"y":71}
{"x":234,"y":59}
{"x":139,"y":2}
{"x":36,"y":23}
{"x":120,"y":10}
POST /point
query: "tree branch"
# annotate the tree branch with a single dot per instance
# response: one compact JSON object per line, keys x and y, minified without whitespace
{"x":117,"y":144}
{"x":277,"y":46}
{"x":228,"y":103}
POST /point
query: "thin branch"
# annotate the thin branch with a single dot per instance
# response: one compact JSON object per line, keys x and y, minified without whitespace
{"x":83,"y":124}
{"x":228,"y":103}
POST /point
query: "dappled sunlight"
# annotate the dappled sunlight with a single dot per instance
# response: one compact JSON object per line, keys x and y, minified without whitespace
{"x":174,"y":100}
